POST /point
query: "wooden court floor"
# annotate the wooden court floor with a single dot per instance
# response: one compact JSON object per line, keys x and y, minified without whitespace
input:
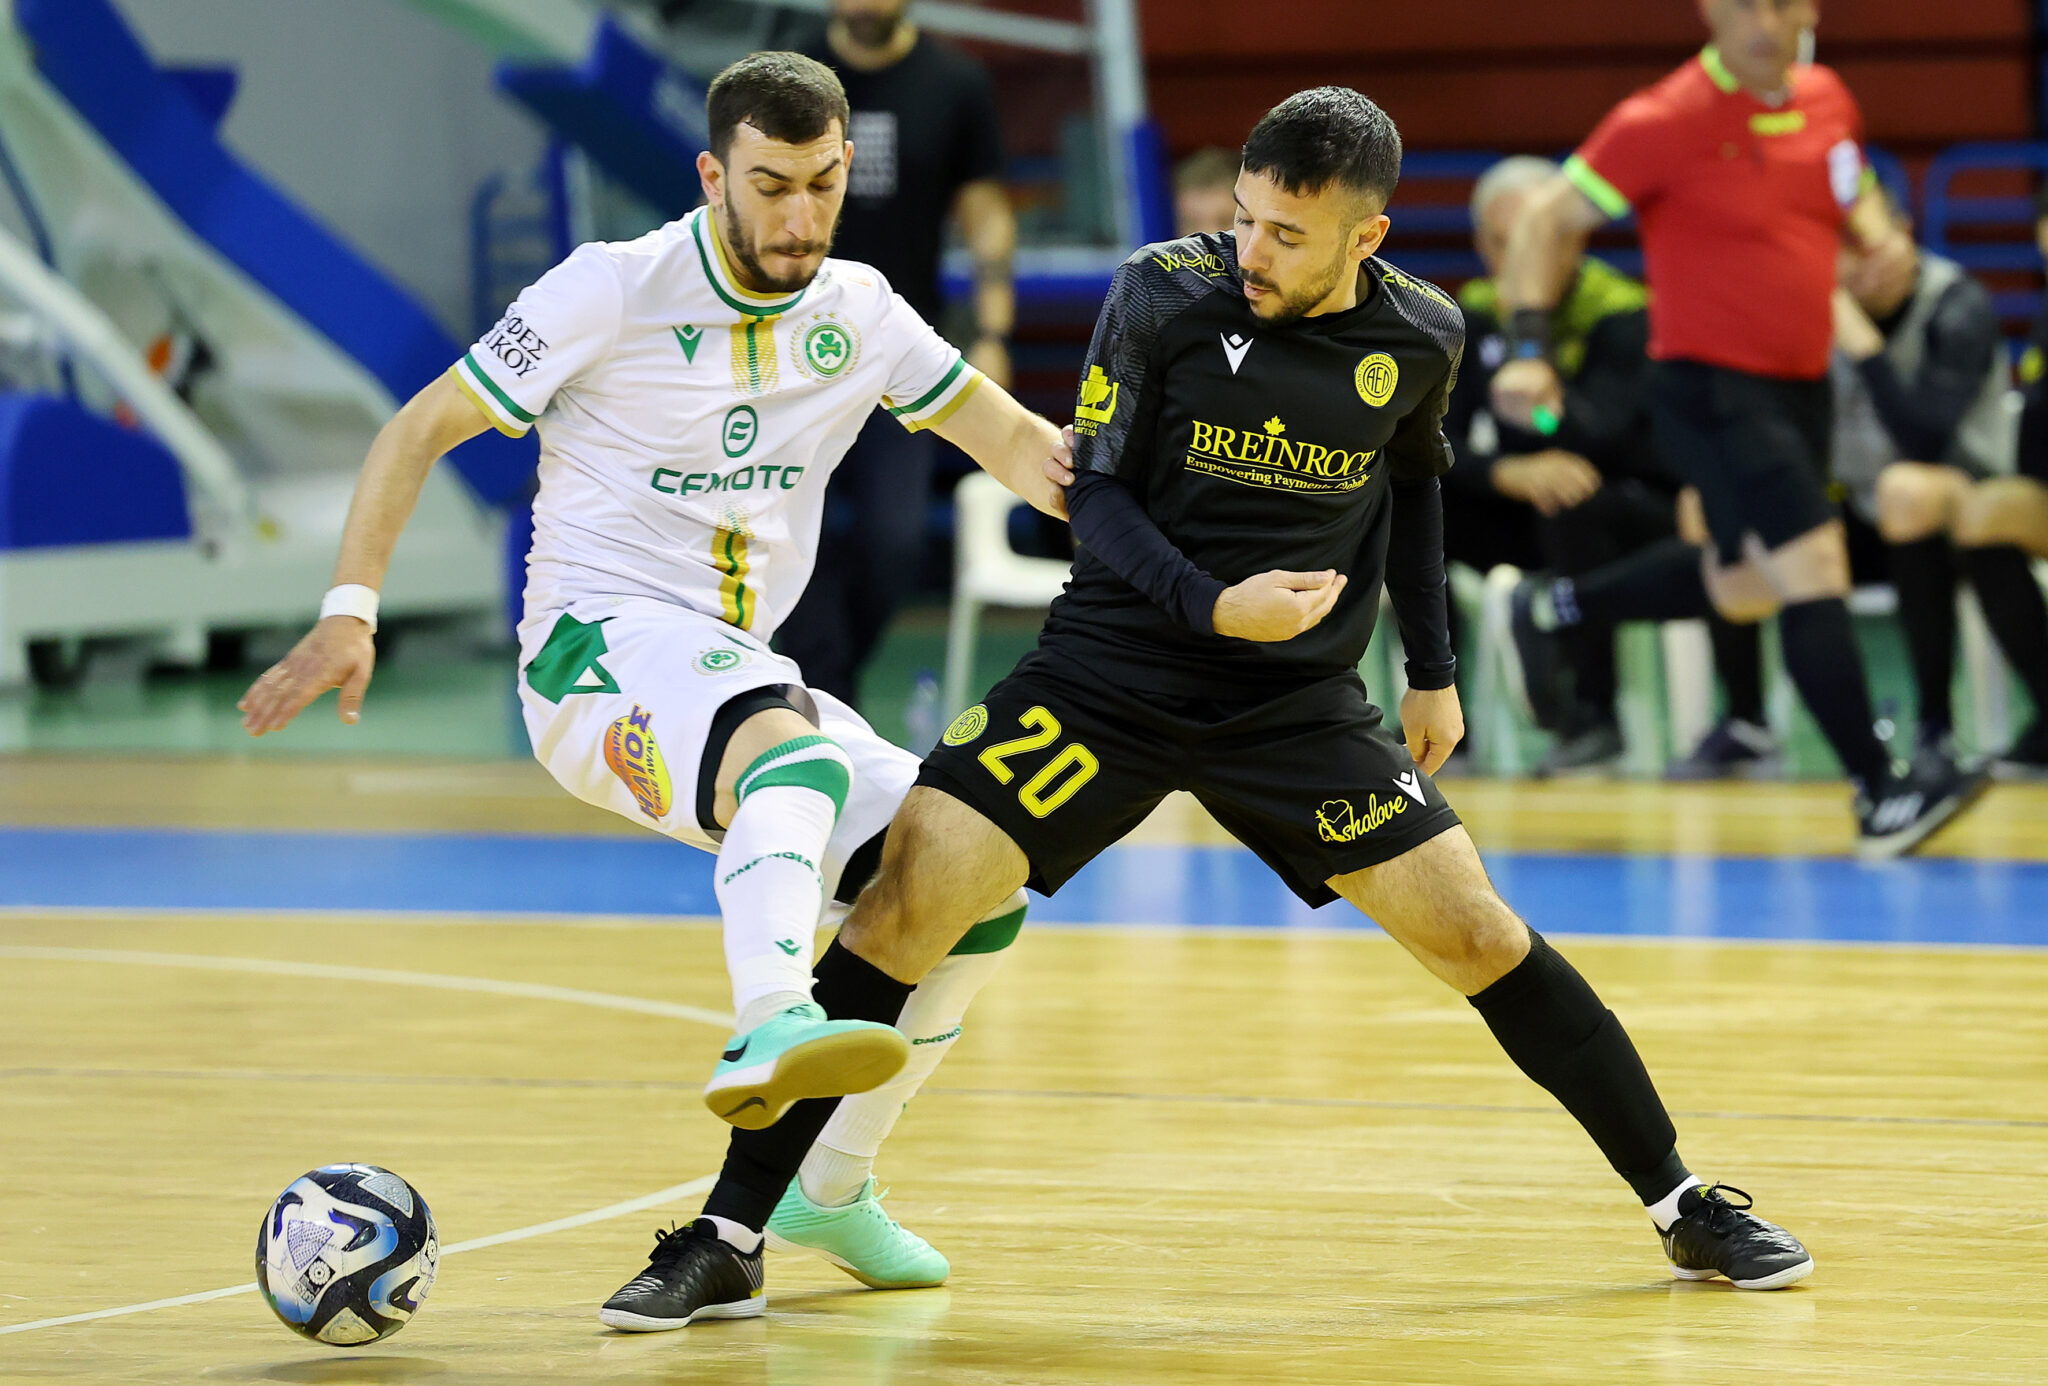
{"x":1155,"y":1156}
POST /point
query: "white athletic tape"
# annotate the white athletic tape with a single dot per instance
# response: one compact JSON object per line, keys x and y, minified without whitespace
{"x":518,"y":1234}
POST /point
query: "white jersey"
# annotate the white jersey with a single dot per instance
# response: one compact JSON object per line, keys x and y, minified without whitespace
{"x":688,"y":425}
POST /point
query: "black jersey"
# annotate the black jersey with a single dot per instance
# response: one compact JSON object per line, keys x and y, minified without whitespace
{"x":1252,"y":447}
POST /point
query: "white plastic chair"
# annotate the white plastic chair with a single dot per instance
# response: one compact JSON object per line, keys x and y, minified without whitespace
{"x":988,"y":572}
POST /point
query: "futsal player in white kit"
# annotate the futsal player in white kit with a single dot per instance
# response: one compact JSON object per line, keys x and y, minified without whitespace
{"x":694,"y":389}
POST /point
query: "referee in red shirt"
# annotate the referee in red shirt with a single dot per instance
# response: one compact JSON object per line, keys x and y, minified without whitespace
{"x":1744,"y":169}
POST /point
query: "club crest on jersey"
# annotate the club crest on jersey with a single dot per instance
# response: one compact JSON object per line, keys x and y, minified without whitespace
{"x":1098,"y":402}
{"x":1338,"y":821}
{"x":826,"y":347}
{"x":967,"y":726}
{"x":719,"y":661}
{"x":630,"y":750}
{"x":1376,"y":377}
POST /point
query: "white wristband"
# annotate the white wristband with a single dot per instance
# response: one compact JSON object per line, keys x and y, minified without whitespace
{"x":351,"y":599}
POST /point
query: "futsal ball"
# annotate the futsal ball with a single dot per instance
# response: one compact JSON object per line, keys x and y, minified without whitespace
{"x":346,"y":1254}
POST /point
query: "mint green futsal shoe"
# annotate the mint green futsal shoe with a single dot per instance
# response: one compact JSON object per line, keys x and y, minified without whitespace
{"x":862,"y":1240}
{"x":800,"y":1054}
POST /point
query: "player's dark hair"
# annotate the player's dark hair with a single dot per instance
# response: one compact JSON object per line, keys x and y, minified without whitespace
{"x":1325,"y":136}
{"x":785,"y":96}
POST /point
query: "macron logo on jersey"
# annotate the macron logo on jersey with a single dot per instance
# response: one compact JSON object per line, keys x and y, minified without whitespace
{"x":1234,"y":348}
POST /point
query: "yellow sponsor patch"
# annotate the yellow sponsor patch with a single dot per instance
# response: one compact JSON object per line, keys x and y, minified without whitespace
{"x":1097,"y":405}
{"x":1376,"y":377}
{"x":632,"y":753}
{"x":967,"y":726}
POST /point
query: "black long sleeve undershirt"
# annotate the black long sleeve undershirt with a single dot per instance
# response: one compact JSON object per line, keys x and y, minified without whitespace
{"x":1110,"y":523}
{"x":1417,"y":585}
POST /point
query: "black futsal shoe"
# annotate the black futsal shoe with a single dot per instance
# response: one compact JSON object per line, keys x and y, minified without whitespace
{"x":1714,"y":1236}
{"x":693,"y":1274}
{"x":1905,"y":810}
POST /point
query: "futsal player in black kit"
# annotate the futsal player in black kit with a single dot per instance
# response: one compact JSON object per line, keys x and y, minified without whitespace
{"x":1258,"y":445}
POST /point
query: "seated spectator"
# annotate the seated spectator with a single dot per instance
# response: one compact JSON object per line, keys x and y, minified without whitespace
{"x":1574,"y":498}
{"x":1205,"y":191}
{"x":2008,"y":516}
{"x":1920,"y":379}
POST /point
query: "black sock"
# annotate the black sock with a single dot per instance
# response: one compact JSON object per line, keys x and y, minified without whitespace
{"x":760,"y":1164}
{"x":1925,"y":574}
{"x":2013,"y":608}
{"x":1826,"y":666}
{"x":1659,"y":582}
{"x":1556,"y":1030}
{"x":1739,"y":660}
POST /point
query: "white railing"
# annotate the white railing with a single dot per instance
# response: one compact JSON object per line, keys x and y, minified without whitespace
{"x":89,"y":333}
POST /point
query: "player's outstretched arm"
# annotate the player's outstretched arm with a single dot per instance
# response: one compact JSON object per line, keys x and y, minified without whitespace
{"x":1013,"y":445}
{"x":337,"y":652}
{"x":1542,"y":256}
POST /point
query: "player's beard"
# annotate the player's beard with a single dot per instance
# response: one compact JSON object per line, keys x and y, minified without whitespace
{"x":1295,"y":305}
{"x":741,"y":246}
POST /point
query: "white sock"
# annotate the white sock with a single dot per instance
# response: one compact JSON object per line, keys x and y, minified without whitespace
{"x":769,"y":887}
{"x":1664,"y":1211}
{"x":839,"y":1165}
{"x":765,"y":1008}
{"x":737,"y":1235}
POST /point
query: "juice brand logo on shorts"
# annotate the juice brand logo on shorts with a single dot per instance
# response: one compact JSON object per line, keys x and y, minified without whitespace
{"x":631,"y":751}
{"x":719,"y":661}
{"x":514,"y":342}
{"x":967,"y":726}
{"x":741,"y":427}
{"x":1376,"y":377}
{"x":1338,"y":821}
{"x":1098,"y":402}
{"x":827,"y":347}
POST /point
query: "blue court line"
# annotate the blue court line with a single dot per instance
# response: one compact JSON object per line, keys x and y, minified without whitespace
{"x":1778,"y":898}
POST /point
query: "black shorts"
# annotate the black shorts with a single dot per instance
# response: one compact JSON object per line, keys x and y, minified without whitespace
{"x":1309,"y":780}
{"x":1755,"y":448}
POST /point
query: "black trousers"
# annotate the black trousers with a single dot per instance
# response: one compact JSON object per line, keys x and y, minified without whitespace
{"x":1624,"y":515}
{"x":869,"y":554}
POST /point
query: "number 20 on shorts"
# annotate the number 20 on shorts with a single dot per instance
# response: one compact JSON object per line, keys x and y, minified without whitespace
{"x":1074,"y":761}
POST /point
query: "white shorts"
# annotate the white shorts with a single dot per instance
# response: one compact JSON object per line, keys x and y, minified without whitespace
{"x":619,"y":694}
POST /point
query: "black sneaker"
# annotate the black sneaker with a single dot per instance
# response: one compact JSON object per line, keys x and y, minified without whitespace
{"x":1586,"y":751}
{"x":693,"y":1274}
{"x":1536,"y":668}
{"x":2028,"y":757}
{"x":1908,"y":809}
{"x":1733,"y":749}
{"x":1714,"y":1236}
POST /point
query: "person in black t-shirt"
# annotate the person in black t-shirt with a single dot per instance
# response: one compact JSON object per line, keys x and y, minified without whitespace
{"x":927,"y":146}
{"x":1259,"y":441}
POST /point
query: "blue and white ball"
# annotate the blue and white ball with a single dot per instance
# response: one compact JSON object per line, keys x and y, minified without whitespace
{"x":347,"y":1254}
